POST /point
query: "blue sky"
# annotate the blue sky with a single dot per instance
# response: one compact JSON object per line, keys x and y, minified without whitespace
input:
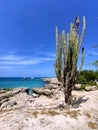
{"x":27,"y":34}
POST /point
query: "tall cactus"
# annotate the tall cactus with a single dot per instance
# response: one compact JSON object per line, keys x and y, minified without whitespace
{"x":66,"y":67}
{"x":58,"y":64}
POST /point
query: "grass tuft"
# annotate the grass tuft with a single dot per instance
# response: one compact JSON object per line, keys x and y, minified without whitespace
{"x":91,"y":125}
{"x":73,"y":113}
{"x":35,"y":114}
{"x":52,"y":113}
{"x":88,"y":115}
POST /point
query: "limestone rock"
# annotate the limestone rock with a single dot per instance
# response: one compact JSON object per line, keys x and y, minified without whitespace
{"x":42,"y":91}
{"x":51,"y":80}
{"x":51,"y":86}
{"x":35,"y":95}
{"x":1,"y":90}
{"x":8,"y":104}
{"x":77,"y":87}
{"x":4,"y":100}
{"x":3,"y":96}
{"x":91,"y":88}
{"x":18,"y":90}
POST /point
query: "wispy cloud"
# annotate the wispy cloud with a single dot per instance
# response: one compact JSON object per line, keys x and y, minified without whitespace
{"x":92,"y":53}
{"x":10,"y":57}
{"x":23,"y":60}
{"x":46,"y":54}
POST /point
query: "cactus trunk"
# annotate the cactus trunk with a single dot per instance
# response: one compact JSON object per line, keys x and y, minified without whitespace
{"x":66,"y":67}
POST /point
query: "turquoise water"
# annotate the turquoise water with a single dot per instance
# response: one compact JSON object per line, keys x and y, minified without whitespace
{"x":20,"y":82}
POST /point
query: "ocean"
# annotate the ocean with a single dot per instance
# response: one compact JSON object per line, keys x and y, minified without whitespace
{"x":20,"y":82}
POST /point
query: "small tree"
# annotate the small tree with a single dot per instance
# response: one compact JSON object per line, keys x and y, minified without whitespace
{"x":66,"y":66}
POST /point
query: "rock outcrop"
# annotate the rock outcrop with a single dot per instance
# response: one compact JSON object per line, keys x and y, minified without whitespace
{"x":7,"y":94}
{"x":52,"y":89}
{"x":18,"y":90}
{"x":42,"y":91}
{"x":9,"y":104}
{"x":40,"y":111}
{"x":90,"y":88}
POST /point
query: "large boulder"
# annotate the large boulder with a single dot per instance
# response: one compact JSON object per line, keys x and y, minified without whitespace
{"x":51,"y":80}
{"x":8,"y":104}
{"x":51,"y":86}
{"x":18,"y":90}
{"x":3,"y":101}
{"x":1,"y":90}
{"x":35,"y":95}
{"x":90,"y":88}
{"x":4,"y":90}
{"x":77,"y":87}
{"x":42,"y":91}
{"x":3,"y":96}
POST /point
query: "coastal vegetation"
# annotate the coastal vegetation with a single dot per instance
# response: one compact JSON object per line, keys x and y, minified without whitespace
{"x":87,"y":76}
{"x":66,"y":66}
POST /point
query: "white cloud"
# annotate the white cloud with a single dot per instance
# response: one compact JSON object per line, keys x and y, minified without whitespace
{"x":10,"y":57}
{"x":92,"y":53}
{"x":23,"y":60}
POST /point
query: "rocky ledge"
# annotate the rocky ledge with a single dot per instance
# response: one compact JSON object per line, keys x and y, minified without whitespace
{"x":6,"y":96}
{"x":43,"y":109}
{"x":52,"y":89}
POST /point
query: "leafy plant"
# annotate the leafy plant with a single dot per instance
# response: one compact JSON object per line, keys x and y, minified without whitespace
{"x":87,"y":76}
{"x":81,"y":80}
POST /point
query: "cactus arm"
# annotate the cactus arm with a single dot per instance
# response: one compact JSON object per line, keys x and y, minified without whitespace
{"x":82,"y":34}
{"x":57,"y":41}
{"x":82,"y":60}
{"x":58,"y":64}
{"x":64,"y":47}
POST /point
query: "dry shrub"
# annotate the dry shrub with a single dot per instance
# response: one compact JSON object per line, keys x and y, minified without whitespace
{"x":91,"y":125}
{"x":35,"y":114}
{"x":50,"y":112}
{"x":88,"y":115}
{"x":73,"y":113}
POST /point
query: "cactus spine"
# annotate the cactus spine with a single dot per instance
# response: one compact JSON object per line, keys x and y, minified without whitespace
{"x":66,"y":68}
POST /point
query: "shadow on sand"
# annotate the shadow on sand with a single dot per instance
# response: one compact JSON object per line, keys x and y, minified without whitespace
{"x":79,"y":100}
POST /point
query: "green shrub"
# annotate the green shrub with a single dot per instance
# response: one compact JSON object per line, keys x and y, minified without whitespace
{"x":81,"y":79}
{"x":10,"y":95}
{"x":91,"y":84}
{"x":7,"y":89}
{"x":83,"y":86}
{"x":96,"y":75}
{"x":87,"y":76}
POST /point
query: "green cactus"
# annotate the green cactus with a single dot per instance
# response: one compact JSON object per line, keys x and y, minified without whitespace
{"x":66,"y":68}
{"x":58,"y":64}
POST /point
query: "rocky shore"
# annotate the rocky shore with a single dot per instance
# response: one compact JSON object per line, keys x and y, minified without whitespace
{"x":44,"y":109}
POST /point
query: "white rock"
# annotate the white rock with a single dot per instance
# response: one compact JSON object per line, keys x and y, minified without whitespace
{"x":90,"y":88}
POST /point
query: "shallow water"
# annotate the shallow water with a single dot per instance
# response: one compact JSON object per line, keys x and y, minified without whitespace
{"x":20,"y":82}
